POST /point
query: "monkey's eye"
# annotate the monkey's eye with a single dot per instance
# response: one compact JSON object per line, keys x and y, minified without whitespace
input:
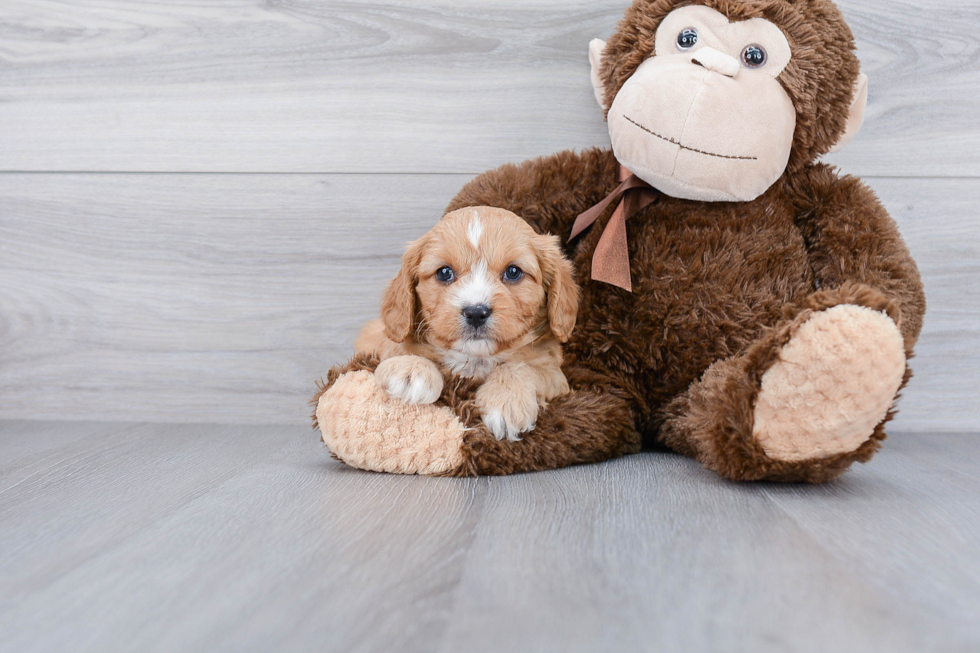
{"x":513,"y":274}
{"x":445,"y":274}
{"x":753,"y":56}
{"x":687,"y":39}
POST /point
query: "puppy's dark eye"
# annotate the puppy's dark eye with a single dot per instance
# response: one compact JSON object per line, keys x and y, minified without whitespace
{"x":445,"y":274}
{"x":753,"y":56}
{"x":687,"y":39}
{"x":513,"y":273}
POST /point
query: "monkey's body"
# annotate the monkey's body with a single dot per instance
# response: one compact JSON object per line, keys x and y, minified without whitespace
{"x":732,"y":260}
{"x":767,"y":337}
{"x":710,"y":280}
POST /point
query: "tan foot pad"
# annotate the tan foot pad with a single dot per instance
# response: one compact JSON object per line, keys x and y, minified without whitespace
{"x":833,"y":384}
{"x":367,"y":429}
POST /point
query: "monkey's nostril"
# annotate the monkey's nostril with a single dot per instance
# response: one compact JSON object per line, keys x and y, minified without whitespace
{"x":716,"y":61}
{"x":476,"y":316}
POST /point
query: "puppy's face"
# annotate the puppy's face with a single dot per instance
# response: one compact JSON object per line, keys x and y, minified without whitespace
{"x":480,"y":281}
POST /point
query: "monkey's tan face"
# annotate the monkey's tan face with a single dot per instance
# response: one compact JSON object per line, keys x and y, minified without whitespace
{"x":706,"y":118}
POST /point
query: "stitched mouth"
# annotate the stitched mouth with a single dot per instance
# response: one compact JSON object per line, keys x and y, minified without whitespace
{"x":685,"y":147}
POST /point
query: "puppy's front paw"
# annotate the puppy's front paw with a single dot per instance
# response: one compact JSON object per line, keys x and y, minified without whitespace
{"x":508,"y":412}
{"x":413,"y":379}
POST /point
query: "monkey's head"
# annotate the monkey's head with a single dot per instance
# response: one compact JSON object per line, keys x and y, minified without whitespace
{"x":714,"y":100}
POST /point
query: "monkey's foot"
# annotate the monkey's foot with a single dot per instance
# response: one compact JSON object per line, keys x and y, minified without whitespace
{"x":834,"y":382}
{"x":368,"y":429}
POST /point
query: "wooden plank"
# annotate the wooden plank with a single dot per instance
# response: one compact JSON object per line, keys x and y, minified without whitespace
{"x":403,"y":86}
{"x":937,"y":218}
{"x":137,"y":547}
{"x":65,"y":506}
{"x":118,"y":291}
{"x":140,"y":547}
{"x":221,"y":298}
{"x":653,"y":553}
{"x":885,"y":523}
{"x":27,"y":443}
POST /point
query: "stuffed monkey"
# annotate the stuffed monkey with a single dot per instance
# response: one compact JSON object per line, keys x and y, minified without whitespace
{"x":741,"y":304}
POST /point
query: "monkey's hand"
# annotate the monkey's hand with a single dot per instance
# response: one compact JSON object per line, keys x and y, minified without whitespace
{"x":509,"y":403}
{"x":413,"y":379}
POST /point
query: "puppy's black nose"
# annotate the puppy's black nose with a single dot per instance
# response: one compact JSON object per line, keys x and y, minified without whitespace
{"x":476,"y":316}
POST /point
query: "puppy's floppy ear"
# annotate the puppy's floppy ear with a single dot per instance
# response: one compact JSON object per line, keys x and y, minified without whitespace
{"x":559,"y":283}
{"x":398,"y":302}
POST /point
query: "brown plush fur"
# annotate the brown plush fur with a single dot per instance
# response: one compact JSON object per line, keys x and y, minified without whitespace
{"x":566,"y":432}
{"x":718,"y":288}
{"x":716,"y":285}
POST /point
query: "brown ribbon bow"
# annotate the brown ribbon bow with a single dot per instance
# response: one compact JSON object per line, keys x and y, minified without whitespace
{"x":611,"y":260}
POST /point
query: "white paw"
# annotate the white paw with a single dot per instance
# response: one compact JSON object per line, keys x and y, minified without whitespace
{"x":413,"y":379}
{"x":509,"y":417}
{"x":502,"y":428}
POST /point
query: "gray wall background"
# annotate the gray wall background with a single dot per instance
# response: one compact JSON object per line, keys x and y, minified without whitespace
{"x":200,"y":201}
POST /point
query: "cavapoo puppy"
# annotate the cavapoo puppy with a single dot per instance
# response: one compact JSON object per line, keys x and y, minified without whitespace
{"x":483,"y":296}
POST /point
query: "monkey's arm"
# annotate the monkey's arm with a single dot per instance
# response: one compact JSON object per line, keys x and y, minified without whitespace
{"x":591,"y":423}
{"x":548,"y":192}
{"x":852,"y":240}
{"x":367,"y":428}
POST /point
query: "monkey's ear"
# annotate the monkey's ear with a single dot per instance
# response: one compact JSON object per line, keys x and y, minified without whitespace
{"x":855,"y":116}
{"x":398,"y":302}
{"x":596,"y":46}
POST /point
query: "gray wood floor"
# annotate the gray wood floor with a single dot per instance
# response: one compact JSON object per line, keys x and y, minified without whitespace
{"x":250,"y":538}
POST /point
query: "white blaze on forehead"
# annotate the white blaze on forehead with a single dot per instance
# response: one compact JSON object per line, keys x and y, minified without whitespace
{"x":476,"y":287}
{"x":474,"y":230}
